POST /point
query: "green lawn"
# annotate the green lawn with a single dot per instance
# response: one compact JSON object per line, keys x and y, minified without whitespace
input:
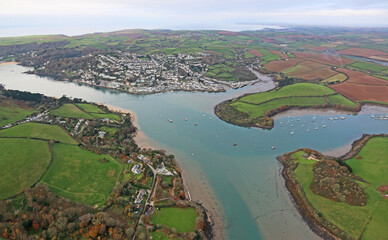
{"x":111,"y":116}
{"x":373,"y":165}
{"x":259,"y":110}
{"x":90,"y":108}
{"x":79,"y":175}
{"x":298,"y":89}
{"x":38,"y":130}
{"x":369,"y":66}
{"x":70,"y":111}
{"x":351,"y":219}
{"x":182,"y":219}
{"x":377,"y":226}
{"x":340,"y":77}
{"x":22,"y":163}
{"x":10,"y":113}
{"x":341,"y":100}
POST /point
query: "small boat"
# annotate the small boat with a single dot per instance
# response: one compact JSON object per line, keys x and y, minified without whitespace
{"x":324,"y":126}
{"x":292,"y":125}
{"x":170,"y":120}
{"x":330,"y":118}
{"x":316,"y":128}
{"x":292,"y":133}
{"x":203,"y":115}
{"x":273,"y":148}
{"x":195,"y":124}
{"x":342,"y":118}
{"x":185,"y":119}
{"x":308,"y":130}
{"x":234,"y":144}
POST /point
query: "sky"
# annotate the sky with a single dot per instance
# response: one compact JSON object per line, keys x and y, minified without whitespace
{"x":74,"y":17}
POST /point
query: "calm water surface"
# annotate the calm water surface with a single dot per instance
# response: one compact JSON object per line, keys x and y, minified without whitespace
{"x":243,"y":180}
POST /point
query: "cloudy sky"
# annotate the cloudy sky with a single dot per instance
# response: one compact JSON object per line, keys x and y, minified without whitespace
{"x":72,"y":17}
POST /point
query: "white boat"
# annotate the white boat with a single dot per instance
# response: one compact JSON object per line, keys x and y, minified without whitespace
{"x":292,"y":133}
{"x":273,"y":148}
{"x":170,"y":120}
{"x":324,"y":126}
{"x":316,"y":128}
{"x":342,"y":118}
{"x":308,"y":130}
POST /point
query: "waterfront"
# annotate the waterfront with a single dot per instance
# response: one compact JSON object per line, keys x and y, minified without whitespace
{"x":243,"y":182}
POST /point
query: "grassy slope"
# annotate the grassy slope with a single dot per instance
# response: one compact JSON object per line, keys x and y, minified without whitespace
{"x":70,"y":110}
{"x":373,"y":166}
{"x":22,"y":162}
{"x":12,"y":113}
{"x":79,"y":175}
{"x":351,"y":219}
{"x":38,"y":130}
{"x":341,"y":100}
{"x":182,"y":219}
{"x":90,"y":108}
{"x":340,"y":77}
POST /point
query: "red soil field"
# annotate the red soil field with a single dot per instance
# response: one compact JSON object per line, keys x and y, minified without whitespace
{"x":363,"y":78}
{"x":281,"y":65}
{"x":309,"y":70}
{"x":256,"y":53}
{"x":360,"y":92}
{"x":282,"y":55}
{"x":381,"y":58}
{"x":364,"y":52}
{"x":316,"y":48}
{"x":324,"y":58}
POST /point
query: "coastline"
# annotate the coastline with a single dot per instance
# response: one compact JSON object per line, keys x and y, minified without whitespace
{"x":195,"y":192}
{"x":8,"y":63}
{"x":320,"y":226}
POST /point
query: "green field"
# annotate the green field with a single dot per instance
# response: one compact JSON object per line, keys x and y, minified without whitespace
{"x":80,"y":175}
{"x":341,"y":100}
{"x":10,"y":112}
{"x":38,"y":130}
{"x":268,"y":56}
{"x":70,"y":111}
{"x":373,"y":165}
{"x":369,"y":66}
{"x":351,"y":219}
{"x":90,"y":108}
{"x":340,"y":77}
{"x":222,"y":72}
{"x":182,"y":219}
{"x":22,"y":163}
{"x":300,"y":94}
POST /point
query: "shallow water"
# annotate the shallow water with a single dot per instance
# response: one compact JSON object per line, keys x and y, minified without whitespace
{"x":243,"y":181}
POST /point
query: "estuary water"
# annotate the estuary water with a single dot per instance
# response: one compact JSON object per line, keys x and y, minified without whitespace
{"x":240,"y":184}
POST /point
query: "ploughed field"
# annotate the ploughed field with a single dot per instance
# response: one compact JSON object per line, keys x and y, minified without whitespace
{"x":346,"y":215}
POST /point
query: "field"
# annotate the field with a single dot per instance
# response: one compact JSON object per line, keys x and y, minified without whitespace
{"x":361,"y":92}
{"x":282,"y":55}
{"x":309,"y":70}
{"x":81,"y":175}
{"x":351,"y":219}
{"x":71,"y":111}
{"x":268,"y":56}
{"x":324,"y":58}
{"x":83,"y":110}
{"x":12,"y":111}
{"x":338,"y":78}
{"x":182,"y":219}
{"x":38,"y":130}
{"x":281,"y":65}
{"x":22,"y":163}
{"x":363,"y":52}
{"x":362,"y":78}
{"x":222,"y":72}
{"x":373,"y":165}
{"x":256,"y":53}
{"x":300,"y":95}
{"x":369,"y":67}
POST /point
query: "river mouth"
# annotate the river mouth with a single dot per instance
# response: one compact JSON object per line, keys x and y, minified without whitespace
{"x":242,"y":181}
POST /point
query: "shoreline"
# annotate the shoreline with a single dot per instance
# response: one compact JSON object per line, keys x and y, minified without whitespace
{"x":8,"y":63}
{"x":305,"y":209}
{"x":196,"y":194}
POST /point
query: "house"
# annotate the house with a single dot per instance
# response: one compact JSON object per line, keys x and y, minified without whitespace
{"x":101,"y":134}
{"x":162,"y":170}
{"x":140,"y":196}
{"x":136,"y":169}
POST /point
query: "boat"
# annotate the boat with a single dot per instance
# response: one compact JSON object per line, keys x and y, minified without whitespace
{"x":316,"y":128}
{"x":330,"y":118}
{"x":273,"y":148}
{"x":170,"y":120}
{"x":234,"y":144}
{"x":308,"y":130}
{"x":195,"y":124}
{"x":324,"y":126}
{"x":342,"y":118}
{"x":292,"y":133}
